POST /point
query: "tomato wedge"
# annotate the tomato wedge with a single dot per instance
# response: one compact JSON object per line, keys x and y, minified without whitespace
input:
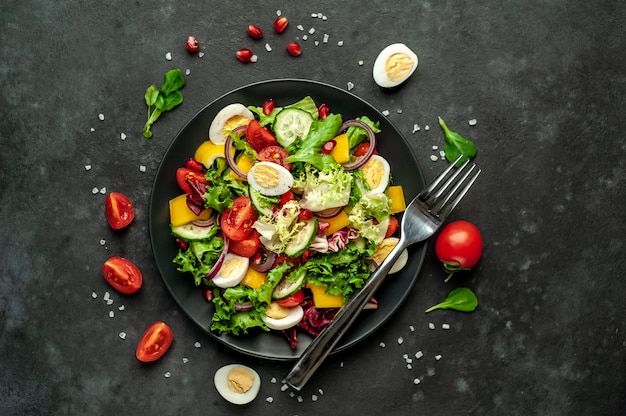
{"x":122,"y":275}
{"x":118,"y":210}
{"x":247,"y":247}
{"x":362,"y":149}
{"x":237,"y":221}
{"x":154,"y":342}
{"x":182,"y":174}
{"x":293,"y":300}
{"x":275,"y":154}
{"x":392,"y":227}
{"x":259,"y":137}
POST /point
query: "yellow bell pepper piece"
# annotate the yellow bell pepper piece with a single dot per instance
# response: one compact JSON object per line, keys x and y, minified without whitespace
{"x":180,"y":214}
{"x":396,"y":194}
{"x":254,"y":279}
{"x":337,"y":222}
{"x":321,"y":299}
{"x":341,"y":151}
{"x":208,"y":151}
{"x":244,"y":164}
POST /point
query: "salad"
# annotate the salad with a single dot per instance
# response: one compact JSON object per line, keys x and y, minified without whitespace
{"x":284,"y":214}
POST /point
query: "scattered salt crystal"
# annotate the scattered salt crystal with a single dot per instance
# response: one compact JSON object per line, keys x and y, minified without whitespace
{"x":200,"y":54}
{"x":273,"y":380}
{"x":321,"y":392}
{"x":416,"y":381}
{"x":102,"y":242}
{"x":361,"y":63}
{"x":472,"y":122}
{"x":350,"y":86}
{"x":300,"y":399}
{"x":185,"y":360}
{"x":399,"y":111}
{"x":270,"y":399}
{"x":340,"y":43}
{"x":435,"y":147}
{"x":284,"y":387}
{"x":101,"y":116}
{"x":411,"y":328}
{"x":197,"y":344}
{"x":103,"y":191}
{"x":123,"y":136}
{"x":381,"y":345}
{"x":300,"y":27}
{"x":426,"y":127}
{"x":445,"y":326}
{"x":254,"y":58}
{"x":106,"y":297}
{"x":311,"y":31}
{"x":314,"y":397}
{"x":400,"y":340}
{"x":278,"y":12}
{"x":385,"y":112}
{"x":292,"y":394}
{"x":409,"y":366}
{"x":94,"y":295}
{"x":419,"y":354}
{"x":187,"y":71}
{"x":324,"y":18}
{"x":313,"y":14}
{"x":325,"y":39}
{"x":304,"y":37}
{"x":268,"y":47}
{"x":111,"y":314}
{"x":317,"y":42}
{"x":168,"y":56}
{"x":405,"y":356}
{"x":142,"y":168}
{"x":110,"y":302}
{"x":409,"y":360}
{"x":434,"y":158}
{"x":123,"y":335}
{"x":437,"y":357}
{"x":92,"y":129}
{"x":121,"y":308}
{"x":87,"y":167}
{"x":442,"y":153}
{"x":431,"y":325}
{"x":416,"y":128}
{"x":167,"y":374}
{"x":430,"y":371}
{"x":341,"y":364}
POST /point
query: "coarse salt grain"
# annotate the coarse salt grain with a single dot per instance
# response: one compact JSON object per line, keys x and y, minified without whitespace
{"x":268,"y":47}
{"x":321,"y":392}
{"x":300,"y":27}
{"x":187,"y":71}
{"x":87,"y":167}
{"x":431,"y":325}
{"x":434,"y":158}
{"x":419,"y":354}
{"x":385,"y":112}
{"x":411,"y":328}
{"x":314,"y":397}
{"x":94,"y":295}
{"x":340,"y":43}
{"x":254,"y":58}
{"x":350,"y":86}
{"x":304,"y":37}
{"x":278,"y":12}
{"x":167,"y":374}
{"x":409,"y":366}
{"x":317,"y":42}
{"x":122,"y":335}
{"x":300,"y":399}
{"x":103,"y":190}
{"x":437,"y":357}
{"x":92,"y":129}
{"x":381,"y":345}
{"x":361,"y":63}
{"x":399,"y":111}
{"x":292,"y":394}
{"x":472,"y":122}
{"x":273,"y":380}
{"x":442,"y":153}
{"x":121,"y":308}
{"x":311,"y":31}
{"x":101,"y":117}
{"x":325,"y":38}
{"x":111,"y":314}
{"x":426,"y":127}
{"x":416,"y":128}
{"x":185,"y":360}
{"x":270,"y":399}
{"x":123,"y":136}
{"x":435,"y":147}
{"x":341,"y":364}
{"x":400,"y":340}
{"x":445,"y":326}
{"x":106,"y":296}
{"x":168,"y":56}
{"x":284,"y":387}
{"x":416,"y":381}
{"x":102,"y":242}
{"x":197,"y":344}
{"x":110,"y":302}
{"x":200,"y":54}
{"x":142,"y":168}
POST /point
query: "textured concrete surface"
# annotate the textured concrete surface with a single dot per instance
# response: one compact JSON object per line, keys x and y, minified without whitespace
{"x":545,"y":81}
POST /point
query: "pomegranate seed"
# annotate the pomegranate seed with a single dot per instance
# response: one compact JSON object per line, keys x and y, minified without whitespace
{"x":268,"y":106}
{"x":328,"y":146}
{"x":192,"y":44}
{"x":305,"y":214}
{"x":255,"y":32}
{"x":280,"y":24}
{"x":182,"y":244}
{"x":244,"y":55}
{"x":294,"y":49}
{"x":208,"y":295}
{"x":191,"y":163}
{"x":323,"y":111}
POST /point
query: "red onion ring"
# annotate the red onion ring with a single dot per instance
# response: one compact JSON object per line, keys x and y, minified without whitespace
{"x":229,"y":159}
{"x":372,"y":138}
{"x":270,"y":261}
{"x":219,"y":263}
{"x":205,"y":223}
{"x":329,"y":213}
{"x":243,"y":306}
{"x":240,"y":130}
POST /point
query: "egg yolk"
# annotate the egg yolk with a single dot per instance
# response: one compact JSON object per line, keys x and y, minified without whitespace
{"x":240,"y":380}
{"x":230,"y":266}
{"x":276,"y":311}
{"x":383,"y":250}
{"x":233,"y":122}
{"x":398,"y":66}
{"x":372,"y":172}
{"x":266,"y":176}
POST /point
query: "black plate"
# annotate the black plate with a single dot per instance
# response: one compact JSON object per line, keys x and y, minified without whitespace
{"x":391,"y":145}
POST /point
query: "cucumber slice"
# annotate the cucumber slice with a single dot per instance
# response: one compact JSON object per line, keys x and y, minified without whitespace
{"x":290,"y":124}
{"x":257,"y":202}
{"x":301,"y":241}
{"x":288,"y":287}
{"x":190,"y":232}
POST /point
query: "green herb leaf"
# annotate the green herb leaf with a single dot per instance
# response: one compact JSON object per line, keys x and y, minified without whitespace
{"x":456,"y":144}
{"x":460,"y":299}
{"x":164,"y":100}
{"x":151,"y":95}
{"x":174,"y":81}
{"x":172,"y":99}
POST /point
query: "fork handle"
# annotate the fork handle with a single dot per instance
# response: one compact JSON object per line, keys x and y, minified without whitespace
{"x":322,"y":345}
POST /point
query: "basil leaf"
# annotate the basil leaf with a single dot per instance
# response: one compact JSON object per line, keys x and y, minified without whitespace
{"x":460,"y":299}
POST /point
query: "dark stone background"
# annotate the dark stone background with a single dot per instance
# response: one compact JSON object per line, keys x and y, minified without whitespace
{"x":544,"y":80}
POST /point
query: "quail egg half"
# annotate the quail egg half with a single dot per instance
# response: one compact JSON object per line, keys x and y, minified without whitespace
{"x":394,"y":65}
{"x":237,"y":383}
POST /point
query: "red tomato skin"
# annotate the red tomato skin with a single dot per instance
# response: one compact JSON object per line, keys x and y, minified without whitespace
{"x":459,"y":243}
{"x":259,"y":137}
{"x":274,"y":154}
{"x":247,"y":247}
{"x":119,"y":211}
{"x":122,"y":274}
{"x":183,"y":173}
{"x":292,"y":300}
{"x":237,"y":221}
{"x":362,"y":149}
{"x":154,"y":342}
{"x":392,"y":227}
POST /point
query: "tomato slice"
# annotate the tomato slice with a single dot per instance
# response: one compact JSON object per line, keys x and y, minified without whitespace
{"x":237,"y":221}
{"x":275,"y":154}
{"x":122,"y":275}
{"x":119,"y":210}
{"x":286,"y":197}
{"x":154,"y":342}
{"x":247,"y":247}
{"x":182,"y":174}
{"x":293,"y":300}
{"x":392,"y":227}
{"x":259,"y":137}
{"x":361,"y":150}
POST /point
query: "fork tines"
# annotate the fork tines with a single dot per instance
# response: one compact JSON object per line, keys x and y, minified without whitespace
{"x":449,"y":187}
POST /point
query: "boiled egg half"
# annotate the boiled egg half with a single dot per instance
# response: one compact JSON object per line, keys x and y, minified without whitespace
{"x":270,"y":179}
{"x":383,"y":250}
{"x":237,"y":383}
{"x":279,"y":317}
{"x":394,"y":65}
{"x":227,"y":119}
{"x":232,"y":271}
{"x":376,"y":173}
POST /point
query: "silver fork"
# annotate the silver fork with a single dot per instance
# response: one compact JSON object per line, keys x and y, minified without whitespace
{"x":423,"y":216}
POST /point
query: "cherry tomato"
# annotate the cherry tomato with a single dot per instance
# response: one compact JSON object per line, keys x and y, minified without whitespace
{"x":193,"y":164}
{"x":122,"y":275}
{"x":286,"y":197}
{"x":259,"y":137}
{"x":154,"y":342}
{"x":305,"y":214}
{"x":247,"y":247}
{"x":362,"y":149}
{"x":283,"y":258}
{"x":237,"y":221}
{"x":275,"y":154}
{"x":392,"y":227}
{"x":182,"y":174}
{"x":118,"y":210}
{"x":459,"y":246}
{"x":293,"y":300}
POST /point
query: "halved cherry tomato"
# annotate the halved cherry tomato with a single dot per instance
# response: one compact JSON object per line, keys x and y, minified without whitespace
{"x":459,"y":246}
{"x":154,"y":342}
{"x":182,"y":174}
{"x":293,"y":300}
{"x":274,"y":154}
{"x":286,"y":197}
{"x":259,"y":137}
{"x":247,"y":247}
{"x":237,"y":221}
{"x":305,"y":214}
{"x":362,"y":149}
{"x":282,"y":258}
{"x":118,"y":210}
{"x":193,"y":164}
{"x":392,"y":227}
{"x":122,"y":275}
